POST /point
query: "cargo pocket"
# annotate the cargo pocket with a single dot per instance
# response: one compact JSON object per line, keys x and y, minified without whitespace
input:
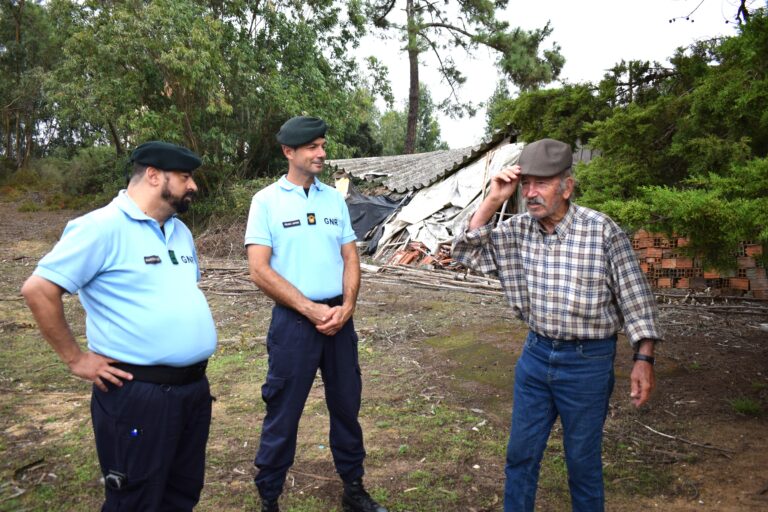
{"x":270,"y":390}
{"x":129,"y":441}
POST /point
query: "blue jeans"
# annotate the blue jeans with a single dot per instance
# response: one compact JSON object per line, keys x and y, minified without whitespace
{"x":573,"y":380}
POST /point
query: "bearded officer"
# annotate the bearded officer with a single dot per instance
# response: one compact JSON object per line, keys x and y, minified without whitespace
{"x":149,"y":330}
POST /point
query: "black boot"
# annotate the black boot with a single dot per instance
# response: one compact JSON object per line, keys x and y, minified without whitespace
{"x":269,"y":506}
{"x":356,"y":499}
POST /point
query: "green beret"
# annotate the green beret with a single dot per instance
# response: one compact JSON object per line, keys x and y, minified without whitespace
{"x":166,"y":156}
{"x":300,"y":130}
{"x":545,"y":158}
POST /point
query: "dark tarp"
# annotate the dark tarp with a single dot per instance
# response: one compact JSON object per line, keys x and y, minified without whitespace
{"x":368,"y":211}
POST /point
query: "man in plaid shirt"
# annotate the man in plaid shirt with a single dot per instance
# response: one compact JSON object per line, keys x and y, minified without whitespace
{"x":570,"y":273}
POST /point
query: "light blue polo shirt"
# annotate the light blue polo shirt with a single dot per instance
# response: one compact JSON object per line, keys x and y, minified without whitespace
{"x":141,"y":307}
{"x":305,"y":233}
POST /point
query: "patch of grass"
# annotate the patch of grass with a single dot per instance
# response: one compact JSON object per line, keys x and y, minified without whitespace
{"x":305,"y":504}
{"x":623,"y":473}
{"x":48,"y":372}
{"x":29,"y":206}
{"x":746,"y":406}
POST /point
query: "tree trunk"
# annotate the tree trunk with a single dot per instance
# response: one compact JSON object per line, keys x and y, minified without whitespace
{"x":18,"y":141}
{"x":413,"y":91}
{"x":8,"y":135}
{"x":115,"y":139}
{"x":29,"y":142}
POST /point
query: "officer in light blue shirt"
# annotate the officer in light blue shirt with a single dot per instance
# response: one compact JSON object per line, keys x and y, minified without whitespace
{"x":149,"y":331}
{"x":302,"y":253}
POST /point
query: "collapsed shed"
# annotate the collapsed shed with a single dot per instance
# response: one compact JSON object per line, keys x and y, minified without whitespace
{"x":429,"y":195}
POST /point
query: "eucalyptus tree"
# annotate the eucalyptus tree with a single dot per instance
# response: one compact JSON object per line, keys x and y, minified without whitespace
{"x":28,"y":50}
{"x":217,"y":76}
{"x":137,"y":70}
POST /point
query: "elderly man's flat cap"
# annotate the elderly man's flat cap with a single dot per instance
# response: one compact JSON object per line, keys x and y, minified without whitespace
{"x":545,"y":158}
{"x":166,"y":156}
{"x":301,"y":130}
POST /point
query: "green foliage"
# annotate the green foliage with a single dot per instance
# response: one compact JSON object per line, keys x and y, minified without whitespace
{"x":392,"y":132}
{"x":94,"y":171}
{"x":393,"y":125}
{"x":217,"y":77}
{"x":358,"y":134}
{"x":688,"y":155}
{"x":29,"y":51}
{"x":680,"y":150}
{"x":564,"y":114}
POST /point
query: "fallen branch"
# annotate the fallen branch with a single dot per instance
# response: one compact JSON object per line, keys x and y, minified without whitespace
{"x":739,"y":310}
{"x":683,"y":440}
{"x":311,"y":475}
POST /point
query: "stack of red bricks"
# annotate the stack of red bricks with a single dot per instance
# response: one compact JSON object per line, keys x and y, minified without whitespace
{"x":667,"y":266}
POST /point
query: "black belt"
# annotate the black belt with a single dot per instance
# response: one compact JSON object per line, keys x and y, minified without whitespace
{"x":334,"y":301}
{"x":162,"y":374}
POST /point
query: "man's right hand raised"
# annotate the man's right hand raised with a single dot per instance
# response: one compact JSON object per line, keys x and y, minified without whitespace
{"x":503,"y":186}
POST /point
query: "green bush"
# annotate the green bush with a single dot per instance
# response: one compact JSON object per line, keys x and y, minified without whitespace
{"x":7,"y":167}
{"x":94,"y":171}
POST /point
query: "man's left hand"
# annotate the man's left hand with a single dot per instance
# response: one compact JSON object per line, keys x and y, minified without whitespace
{"x":339,"y":316}
{"x":642,"y":381}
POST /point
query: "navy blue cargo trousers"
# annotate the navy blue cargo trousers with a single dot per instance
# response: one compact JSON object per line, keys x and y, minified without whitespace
{"x":296,"y":351}
{"x":151,"y":442}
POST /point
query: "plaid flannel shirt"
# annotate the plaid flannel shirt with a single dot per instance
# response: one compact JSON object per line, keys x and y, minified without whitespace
{"x":581,"y":282}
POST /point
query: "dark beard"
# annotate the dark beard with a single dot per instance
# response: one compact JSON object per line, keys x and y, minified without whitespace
{"x":180,"y":204}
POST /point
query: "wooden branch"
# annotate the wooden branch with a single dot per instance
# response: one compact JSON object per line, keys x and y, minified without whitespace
{"x":312,"y":475}
{"x":682,"y":440}
{"x":738,"y":310}
{"x":450,"y":27}
{"x":387,"y":9}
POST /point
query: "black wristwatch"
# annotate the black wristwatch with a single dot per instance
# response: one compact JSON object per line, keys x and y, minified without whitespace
{"x":642,"y":357}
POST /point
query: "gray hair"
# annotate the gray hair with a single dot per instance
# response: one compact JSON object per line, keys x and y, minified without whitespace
{"x":568,"y":173}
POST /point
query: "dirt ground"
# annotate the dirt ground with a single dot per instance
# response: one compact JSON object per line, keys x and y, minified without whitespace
{"x":438,"y":367}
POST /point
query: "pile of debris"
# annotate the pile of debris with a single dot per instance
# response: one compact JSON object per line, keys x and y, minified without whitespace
{"x":416,"y":254}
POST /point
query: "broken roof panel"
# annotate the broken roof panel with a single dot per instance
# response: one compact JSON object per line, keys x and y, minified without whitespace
{"x":402,"y":173}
